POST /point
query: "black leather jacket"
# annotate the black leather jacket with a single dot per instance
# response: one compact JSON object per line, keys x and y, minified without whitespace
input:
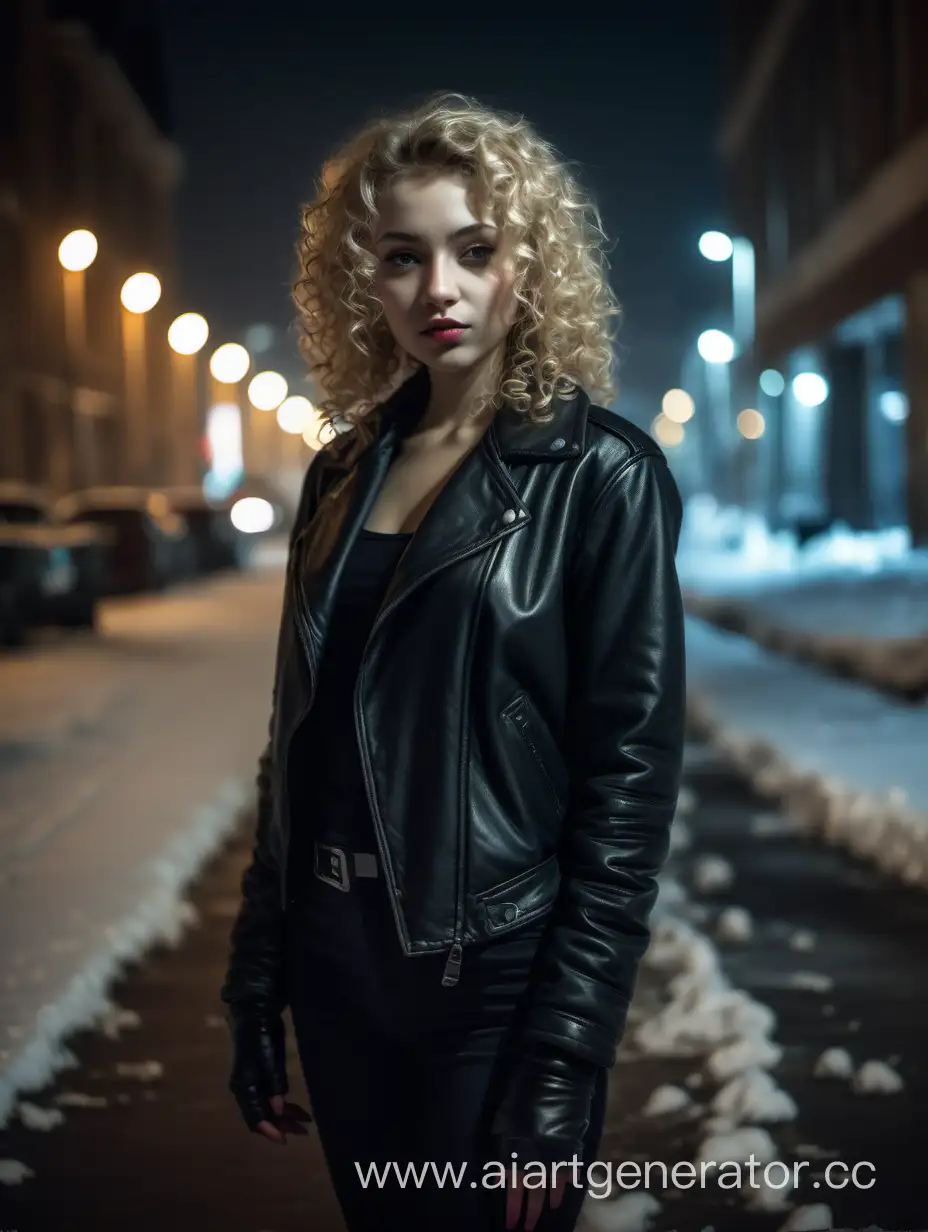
{"x":519,"y":710}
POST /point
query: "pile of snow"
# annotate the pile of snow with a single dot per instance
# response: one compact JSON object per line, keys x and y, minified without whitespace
{"x":705,"y":1017}
{"x":734,"y":924}
{"x":876,"y":1078}
{"x":834,"y":1063}
{"x":871,"y":1078}
{"x":712,"y":873}
{"x":852,"y":601}
{"x":666,"y":1101}
{"x":632,"y":1212}
{"x":841,"y":760}
{"x":730,"y":549}
{"x":816,"y":1217}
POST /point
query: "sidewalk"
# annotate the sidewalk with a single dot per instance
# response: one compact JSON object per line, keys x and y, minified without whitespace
{"x":846,"y":762}
{"x":125,"y":758}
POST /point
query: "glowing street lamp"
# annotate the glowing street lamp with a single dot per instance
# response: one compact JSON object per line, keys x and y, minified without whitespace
{"x":810,"y":389}
{"x":267,"y":390}
{"x":715,"y":346}
{"x":716,"y":246}
{"x":188,"y":333}
{"x":229,"y":363}
{"x":77,"y":251}
{"x":140,"y":293}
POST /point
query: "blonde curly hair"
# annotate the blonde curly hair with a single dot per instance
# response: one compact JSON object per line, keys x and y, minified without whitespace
{"x":562,"y":336}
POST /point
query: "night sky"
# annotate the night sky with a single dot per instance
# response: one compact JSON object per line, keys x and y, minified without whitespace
{"x":633,"y":96}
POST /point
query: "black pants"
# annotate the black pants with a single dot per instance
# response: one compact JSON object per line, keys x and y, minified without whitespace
{"x":379,"y":1103}
{"x":403,"y":1073}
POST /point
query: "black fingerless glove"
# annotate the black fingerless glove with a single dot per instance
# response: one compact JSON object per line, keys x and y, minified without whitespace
{"x":258,"y":1059}
{"x":544,"y":1113}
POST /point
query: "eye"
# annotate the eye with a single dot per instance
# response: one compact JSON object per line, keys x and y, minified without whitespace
{"x":483,"y":252}
{"x":394,"y":258}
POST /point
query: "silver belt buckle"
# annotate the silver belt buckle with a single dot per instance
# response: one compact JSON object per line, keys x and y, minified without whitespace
{"x":331,"y":866}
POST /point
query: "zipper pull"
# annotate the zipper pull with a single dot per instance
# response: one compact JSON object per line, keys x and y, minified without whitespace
{"x":452,"y":971}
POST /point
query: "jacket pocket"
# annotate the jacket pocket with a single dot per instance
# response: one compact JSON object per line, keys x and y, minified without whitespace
{"x":522,"y":898}
{"x":537,"y":742}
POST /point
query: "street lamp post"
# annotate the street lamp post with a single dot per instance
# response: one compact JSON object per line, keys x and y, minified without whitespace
{"x":187,"y":336}
{"x":228,"y":366}
{"x":266,"y":392}
{"x":76,"y":253}
{"x":139,"y":294}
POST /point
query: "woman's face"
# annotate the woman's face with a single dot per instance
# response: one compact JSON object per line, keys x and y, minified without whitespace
{"x":436,"y":259}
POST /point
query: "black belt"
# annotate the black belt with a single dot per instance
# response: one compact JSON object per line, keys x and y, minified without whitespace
{"x":338,"y":867}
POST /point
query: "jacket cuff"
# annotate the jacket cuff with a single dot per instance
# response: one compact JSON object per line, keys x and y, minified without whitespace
{"x":544,"y":1113}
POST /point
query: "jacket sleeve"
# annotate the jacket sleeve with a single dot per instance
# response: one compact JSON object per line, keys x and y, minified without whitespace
{"x":625,"y":753}
{"x":254,"y":976}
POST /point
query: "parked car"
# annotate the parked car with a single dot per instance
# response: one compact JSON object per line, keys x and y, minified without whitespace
{"x":217,"y":544}
{"x":150,"y":548}
{"x":50,"y":573}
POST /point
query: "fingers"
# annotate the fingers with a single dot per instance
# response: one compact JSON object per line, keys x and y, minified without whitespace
{"x":534,"y":1206}
{"x":514,"y":1195}
{"x":557,"y":1193}
{"x":269,"y":1130}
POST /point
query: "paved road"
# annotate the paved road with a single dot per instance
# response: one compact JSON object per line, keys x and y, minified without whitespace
{"x":171,"y":1153}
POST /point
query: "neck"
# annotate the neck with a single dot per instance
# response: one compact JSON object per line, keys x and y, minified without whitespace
{"x":453,"y":397}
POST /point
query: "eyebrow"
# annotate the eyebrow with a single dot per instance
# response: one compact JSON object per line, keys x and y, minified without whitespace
{"x":470,"y":229}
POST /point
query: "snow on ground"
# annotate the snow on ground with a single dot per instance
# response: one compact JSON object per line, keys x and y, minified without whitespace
{"x":125,"y":758}
{"x":842,"y":760}
{"x":855,"y":602}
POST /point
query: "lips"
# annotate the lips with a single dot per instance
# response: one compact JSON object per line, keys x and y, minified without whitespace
{"x":446,"y":326}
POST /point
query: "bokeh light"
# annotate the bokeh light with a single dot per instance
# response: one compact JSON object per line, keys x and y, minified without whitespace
{"x":188,"y":333}
{"x":140,"y":293}
{"x":751,"y":424}
{"x":78,"y":250}
{"x":678,"y":406}
{"x":229,"y":363}
{"x":267,"y":390}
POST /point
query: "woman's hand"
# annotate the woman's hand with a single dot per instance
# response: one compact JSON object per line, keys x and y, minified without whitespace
{"x":534,"y":1201}
{"x":287,"y":1120}
{"x":543,"y":1116}
{"x":259,"y":1075}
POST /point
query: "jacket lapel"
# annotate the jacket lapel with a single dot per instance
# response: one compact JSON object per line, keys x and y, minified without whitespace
{"x":478,"y":505}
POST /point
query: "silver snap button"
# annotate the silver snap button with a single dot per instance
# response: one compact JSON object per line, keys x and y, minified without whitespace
{"x":509,"y":516}
{"x":559,"y":443}
{"x":510,"y":913}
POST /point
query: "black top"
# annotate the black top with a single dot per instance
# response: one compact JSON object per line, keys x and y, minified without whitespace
{"x":327,"y":748}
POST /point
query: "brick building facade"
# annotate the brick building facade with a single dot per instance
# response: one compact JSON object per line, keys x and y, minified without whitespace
{"x":84,"y":143}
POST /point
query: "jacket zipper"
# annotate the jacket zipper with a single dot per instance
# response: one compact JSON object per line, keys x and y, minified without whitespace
{"x":452,"y":969}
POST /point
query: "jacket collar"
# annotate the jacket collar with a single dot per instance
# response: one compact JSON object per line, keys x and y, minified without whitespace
{"x":516,"y":437}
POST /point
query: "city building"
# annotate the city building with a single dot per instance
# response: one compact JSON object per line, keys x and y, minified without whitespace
{"x":86,"y":388}
{"x":825,"y":148}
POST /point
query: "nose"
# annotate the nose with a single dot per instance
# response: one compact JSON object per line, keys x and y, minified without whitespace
{"x":441,"y":288}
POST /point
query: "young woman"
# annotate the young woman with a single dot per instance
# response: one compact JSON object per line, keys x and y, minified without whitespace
{"x":477,"y":725}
